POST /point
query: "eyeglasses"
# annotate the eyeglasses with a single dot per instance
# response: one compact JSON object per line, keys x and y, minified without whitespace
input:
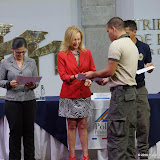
{"x":20,"y":52}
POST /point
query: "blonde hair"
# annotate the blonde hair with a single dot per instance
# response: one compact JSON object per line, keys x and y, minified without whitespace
{"x":69,"y":37}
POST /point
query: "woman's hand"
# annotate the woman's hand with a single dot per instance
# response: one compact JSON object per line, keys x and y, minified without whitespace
{"x":88,"y":83}
{"x":30,"y":85}
{"x":13,"y":83}
{"x":73,"y":77}
{"x":76,"y":76}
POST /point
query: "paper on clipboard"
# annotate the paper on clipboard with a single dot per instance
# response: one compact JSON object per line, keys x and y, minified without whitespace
{"x":144,"y":69}
{"x":23,"y":80}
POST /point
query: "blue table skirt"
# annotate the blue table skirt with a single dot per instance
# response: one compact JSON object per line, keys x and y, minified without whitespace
{"x":47,"y":118}
{"x":1,"y":108}
{"x":154,"y":133}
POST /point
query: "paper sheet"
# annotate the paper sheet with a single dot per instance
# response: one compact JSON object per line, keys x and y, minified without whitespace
{"x":23,"y":80}
{"x":144,"y":69}
{"x":82,"y":77}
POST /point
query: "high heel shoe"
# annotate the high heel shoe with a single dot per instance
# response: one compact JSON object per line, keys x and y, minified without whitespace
{"x":86,"y":157}
{"x":72,"y":158}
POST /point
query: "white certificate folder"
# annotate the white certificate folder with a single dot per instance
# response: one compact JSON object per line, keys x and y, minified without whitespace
{"x":144,"y":69}
{"x":23,"y":80}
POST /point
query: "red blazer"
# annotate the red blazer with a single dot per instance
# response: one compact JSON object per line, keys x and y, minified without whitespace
{"x":67,"y":66}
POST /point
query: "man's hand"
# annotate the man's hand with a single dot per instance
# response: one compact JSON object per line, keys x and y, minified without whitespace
{"x":13,"y":83}
{"x":103,"y":82}
{"x":147,"y":65}
{"x":89,"y":74}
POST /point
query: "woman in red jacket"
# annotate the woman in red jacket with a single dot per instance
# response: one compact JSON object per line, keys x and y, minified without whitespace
{"x":75,"y":101}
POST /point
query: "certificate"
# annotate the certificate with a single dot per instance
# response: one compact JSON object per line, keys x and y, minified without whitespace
{"x":82,"y":77}
{"x":144,"y":69}
{"x":23,"y":80}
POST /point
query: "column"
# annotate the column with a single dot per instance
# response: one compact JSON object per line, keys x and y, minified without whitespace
{"x":95,"y":15}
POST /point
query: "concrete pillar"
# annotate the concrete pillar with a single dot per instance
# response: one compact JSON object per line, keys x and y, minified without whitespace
{"x":95,"y":15}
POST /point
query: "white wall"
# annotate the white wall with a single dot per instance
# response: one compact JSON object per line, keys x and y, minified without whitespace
{"x":53,"y":16}
{"x":144,"y":9}
{"x":150,"y":11}
{"x":125,"y":9}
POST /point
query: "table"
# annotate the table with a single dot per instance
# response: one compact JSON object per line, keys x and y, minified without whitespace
{"x":51,"y":132}
{"x":48,"y":119}
{"x":47,"y":115}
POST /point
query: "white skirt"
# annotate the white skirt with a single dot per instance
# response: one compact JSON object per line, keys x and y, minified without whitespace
{"x":75,"y":108}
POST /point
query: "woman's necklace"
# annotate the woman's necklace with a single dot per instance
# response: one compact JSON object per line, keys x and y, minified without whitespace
{"x":76,"y":55}
{"x":75,"y":52}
